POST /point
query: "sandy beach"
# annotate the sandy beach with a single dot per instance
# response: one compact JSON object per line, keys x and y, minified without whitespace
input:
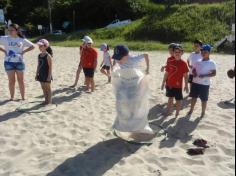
{"x":76,"y":139}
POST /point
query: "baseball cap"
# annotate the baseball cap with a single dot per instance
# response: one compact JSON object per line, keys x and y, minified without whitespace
{"x":172,"y":46}
{"x":103,"y":46}
{"x":179,"y":46}
{"x":120,"y":51}
{"x":43,"y":42}
{"x":207,"y":47}
{"x":87,"y":40}
{"x":198,"y":42}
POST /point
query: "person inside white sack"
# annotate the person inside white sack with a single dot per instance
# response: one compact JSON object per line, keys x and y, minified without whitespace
{"x":15,"y":46}
{"x":132,"y":92}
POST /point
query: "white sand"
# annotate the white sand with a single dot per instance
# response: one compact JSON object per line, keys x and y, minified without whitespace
{"x":75,"y":139}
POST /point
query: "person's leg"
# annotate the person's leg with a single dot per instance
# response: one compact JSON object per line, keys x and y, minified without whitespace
{"x":20,"y":78}
{"x":92,"y":83}
{"x":87,"y":83}
{"x":170,"y":106}
{"x":204,"y":107}
{"x":204,"y":96}
{"x":12,"y":81}
{"x":44,"y":91}
{"x":178,"y":107}
{"x":109,"y":76}
{"x":194,"y":94}
{"x":77,"y":76}
{"x":49,"y":93}
{"x":193,"y":104}
{"x":103,"y":71}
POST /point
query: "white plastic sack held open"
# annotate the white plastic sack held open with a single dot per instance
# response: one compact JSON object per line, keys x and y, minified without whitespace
{"x":132,"y":101}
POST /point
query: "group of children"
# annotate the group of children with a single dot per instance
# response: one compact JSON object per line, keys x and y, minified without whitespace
{"x":196,"y":73}
{"x":178,"y":74}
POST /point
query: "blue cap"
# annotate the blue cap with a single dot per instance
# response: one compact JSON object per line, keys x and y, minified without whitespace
{"x":120,"y":51}
{"x":206,"y":47}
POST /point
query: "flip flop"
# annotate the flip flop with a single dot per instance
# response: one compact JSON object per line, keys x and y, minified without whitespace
{"x":201,"y":143}
{"x":196,"y":151}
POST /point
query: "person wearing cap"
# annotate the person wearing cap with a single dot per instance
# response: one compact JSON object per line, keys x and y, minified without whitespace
{"x":195,"y":57}
{"x":78,"y":72}
{"x":89,"y":63}
{"x":171,"y":58}
{"x":44,"y":70}
{"x":176,"y":71}
{"x":203,"y":71}
{"x":131,"y":91}
{"x":106,"y":64}
{"x":125,"y":60}
{"x":15,"y":46}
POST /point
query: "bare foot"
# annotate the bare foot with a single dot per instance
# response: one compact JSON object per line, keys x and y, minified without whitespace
{"x":190,"y":113}
{"x":176,"y":115}
{"x":203,"y":115}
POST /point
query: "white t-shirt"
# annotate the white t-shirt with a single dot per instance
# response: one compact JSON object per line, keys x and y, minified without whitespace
{"x":202,"y":68}
{"x":193,"y":59}
{"x":132,"y":62}
{"x":106,"y":59}
{"x":14,"y":48}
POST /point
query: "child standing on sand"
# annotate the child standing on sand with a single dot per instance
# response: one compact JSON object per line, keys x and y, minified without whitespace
{"x":106,"y":64}
{"x":171,"y":52}
{"x":176,"y":71}
{"x":44,"y":70}
{"x":203,"y":71}
{"x":195,"y":57}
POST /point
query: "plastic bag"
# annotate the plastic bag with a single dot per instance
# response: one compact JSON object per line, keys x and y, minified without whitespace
{"x":132,"y":101}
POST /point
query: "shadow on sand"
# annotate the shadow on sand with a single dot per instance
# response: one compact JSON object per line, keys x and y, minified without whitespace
{"x":179,"y":129}
{"x":97,"y":160}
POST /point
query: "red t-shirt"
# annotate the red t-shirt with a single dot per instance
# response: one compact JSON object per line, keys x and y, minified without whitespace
{"x":170,"y":59}
{"x":89,"y":58}
{"x":176,"y":70}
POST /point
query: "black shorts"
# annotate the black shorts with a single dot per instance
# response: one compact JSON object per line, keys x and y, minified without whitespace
{"x":190,"y":79}
{"x":200,"y":91}
{"x":106,"y":67}
{"x":174,"y":93}
{"x":89,"y":72}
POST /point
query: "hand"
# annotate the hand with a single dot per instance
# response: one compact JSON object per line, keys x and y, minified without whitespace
{"x":36,"y":78}
{"x":49,"y":79}
{"x":163,"y":68}
{"x":194,"y":73}
{"x":147,"y":71}
{"x":186,"y":89}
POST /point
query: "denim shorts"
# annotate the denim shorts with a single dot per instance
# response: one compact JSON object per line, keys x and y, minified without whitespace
{"x":18,"y":66}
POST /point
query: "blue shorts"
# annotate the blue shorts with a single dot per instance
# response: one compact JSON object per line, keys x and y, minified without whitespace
{"x":18,"y":66}
{"x":200,"y":91}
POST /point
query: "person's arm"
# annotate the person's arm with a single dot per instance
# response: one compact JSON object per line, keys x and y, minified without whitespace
{"x":3,"y":50}
{"x":50,"y":68}
{"x":37,"y":72}
{"x":186,"y":88}
{"x":28,"y":49}
{"x":189,"y":65}
{"x":102,"y":63}
{"x":147,"y":60}
{"x":211,"y":74}
{"x":164,"y":81}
